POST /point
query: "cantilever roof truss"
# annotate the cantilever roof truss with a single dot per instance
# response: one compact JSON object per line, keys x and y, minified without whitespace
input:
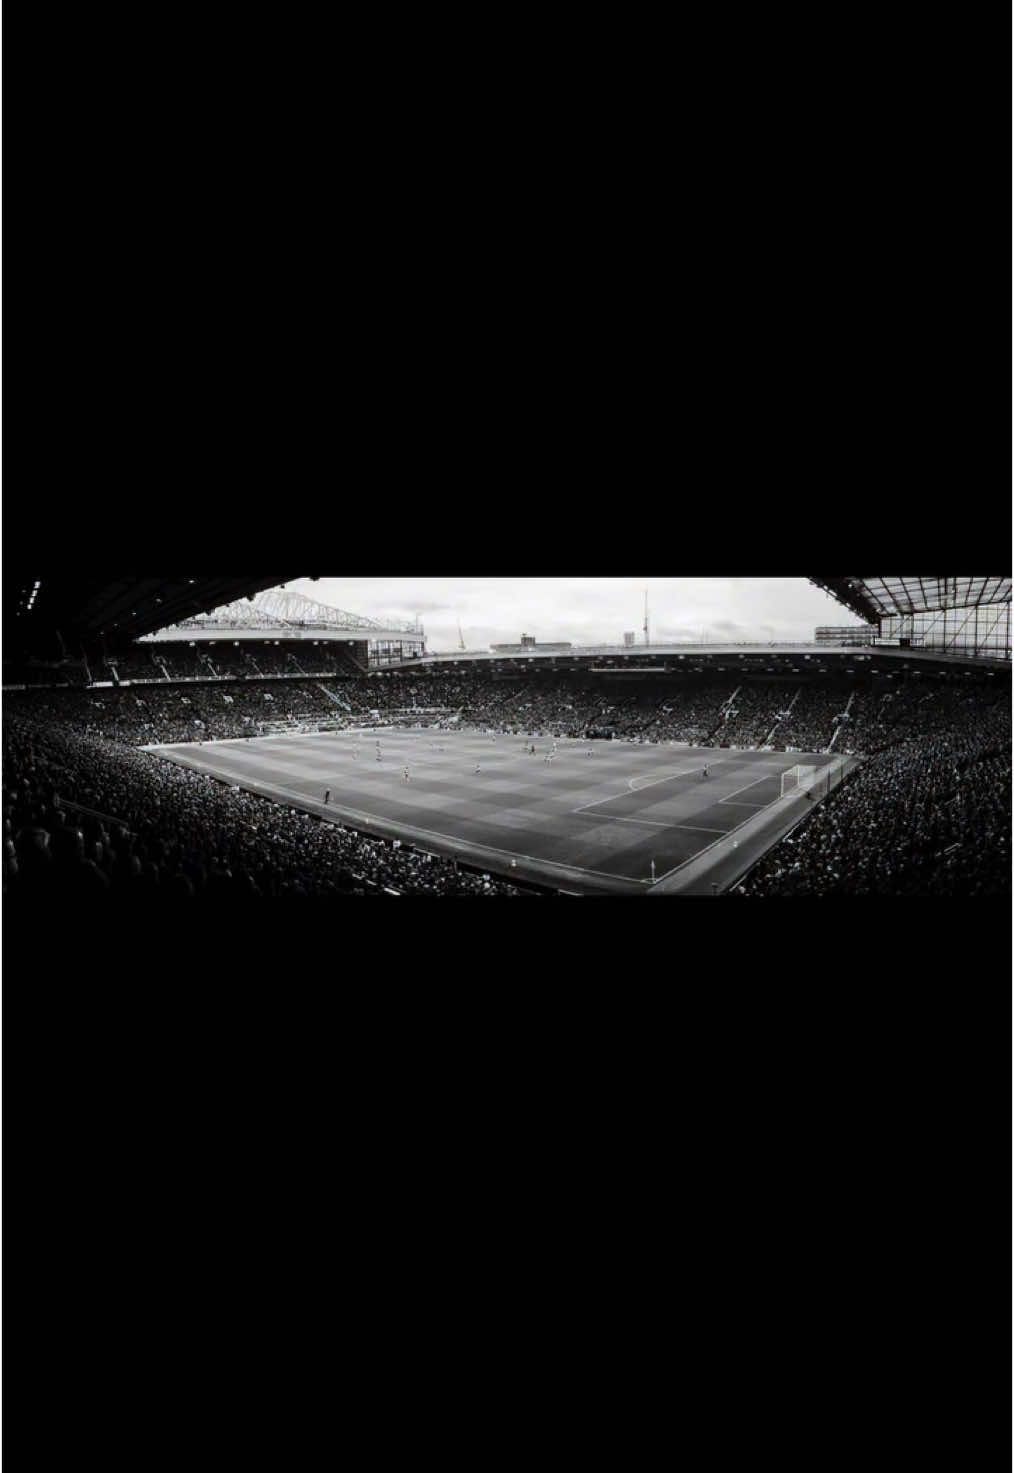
{"x":876,"y":598}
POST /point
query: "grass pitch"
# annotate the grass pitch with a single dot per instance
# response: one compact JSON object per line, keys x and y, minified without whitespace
{"x":592,"y":824}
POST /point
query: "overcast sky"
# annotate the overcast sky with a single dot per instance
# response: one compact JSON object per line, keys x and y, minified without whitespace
{"x":587,"y":610}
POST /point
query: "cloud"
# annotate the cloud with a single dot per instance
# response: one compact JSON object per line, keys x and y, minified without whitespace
{"x":587,"y":610}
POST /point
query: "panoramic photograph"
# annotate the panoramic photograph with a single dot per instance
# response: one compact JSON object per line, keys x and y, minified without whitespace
{"x":174,"y":739}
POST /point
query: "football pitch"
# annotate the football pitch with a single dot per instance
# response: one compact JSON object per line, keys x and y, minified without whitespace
{"x":624,"y":820}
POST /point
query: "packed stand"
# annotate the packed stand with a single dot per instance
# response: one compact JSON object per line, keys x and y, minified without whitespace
{"x":689,"y":713}
{"x":814,"y":718}
{"x":149,"y":715}
{"x":928,"y":814}
{"x":167,"y":833}
{"x":217,"y":659}
{"x":754,"y":711}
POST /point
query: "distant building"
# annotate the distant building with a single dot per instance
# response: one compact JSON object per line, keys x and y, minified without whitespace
{"x":529,"y":644}
{"x":628,"y":639}
{"x":852,"y":634}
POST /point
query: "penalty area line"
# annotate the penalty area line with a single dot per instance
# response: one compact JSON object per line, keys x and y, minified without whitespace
{"x":651,"y":823}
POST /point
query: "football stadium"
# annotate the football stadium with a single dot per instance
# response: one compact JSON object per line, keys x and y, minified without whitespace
{"x":168,"y":740}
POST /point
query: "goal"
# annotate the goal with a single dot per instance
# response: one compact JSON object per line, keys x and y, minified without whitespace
{"x":803,"y":779}
{"x":817,"y":779}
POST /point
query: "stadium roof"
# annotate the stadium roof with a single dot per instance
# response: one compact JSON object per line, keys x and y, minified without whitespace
{"x":876,"y":598}
{"x":279,"y":609}
{"x":124,"y":607}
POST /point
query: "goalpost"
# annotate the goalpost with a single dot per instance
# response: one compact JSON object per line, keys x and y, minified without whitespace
{"x":804,"y":779}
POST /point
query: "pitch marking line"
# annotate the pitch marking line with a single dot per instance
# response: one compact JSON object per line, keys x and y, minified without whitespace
{"x":705,"y":850}
{"x":652,"y":823}
{"x":652,"y":781}
{"x":766,"y":778}
{"x":716,"y":842}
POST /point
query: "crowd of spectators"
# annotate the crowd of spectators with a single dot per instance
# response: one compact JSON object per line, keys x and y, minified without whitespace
{"x":928,"y":814}
{"x":812,"y":723}
{"x":208,"y":660}
{"x":800,"y":718}
{"x":156,"y":830}
{"x":143,"y":715}
{"x":690,"y":714}
{"x":803,"y":717}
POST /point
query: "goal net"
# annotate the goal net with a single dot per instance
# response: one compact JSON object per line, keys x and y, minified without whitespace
{"x":804,"y":779}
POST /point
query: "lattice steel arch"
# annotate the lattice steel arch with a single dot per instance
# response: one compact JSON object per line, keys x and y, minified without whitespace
{"x":296,"y":608}
{"x":281,"y":608}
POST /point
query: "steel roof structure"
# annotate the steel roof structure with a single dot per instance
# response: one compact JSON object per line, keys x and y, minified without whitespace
{"x":279,"y":608}
{"x":122,"y":609}
{"x":117,"y":608}
{"x":876,"y":598}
